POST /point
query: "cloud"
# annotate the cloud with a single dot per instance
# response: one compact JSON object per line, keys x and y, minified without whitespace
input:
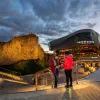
{"x":49,"y":9}
{"x":91,"y":25}
{"x":7,"y":9}
{"x":49,"y":19}
{"x":49,"y":32}
{"x":5,"y":35}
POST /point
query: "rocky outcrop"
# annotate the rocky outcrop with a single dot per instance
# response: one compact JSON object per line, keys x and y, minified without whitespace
{"x":20,"y":48}
{"x":41,"y":53}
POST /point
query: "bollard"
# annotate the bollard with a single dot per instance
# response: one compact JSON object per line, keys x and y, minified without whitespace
{"x":36,"y":80}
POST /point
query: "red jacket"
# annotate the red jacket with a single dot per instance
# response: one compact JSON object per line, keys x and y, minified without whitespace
{"x":68,"y":63}
{"x":51,"y":63}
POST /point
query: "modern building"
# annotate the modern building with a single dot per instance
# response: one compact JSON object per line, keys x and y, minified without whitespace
{"x":85,"y":42}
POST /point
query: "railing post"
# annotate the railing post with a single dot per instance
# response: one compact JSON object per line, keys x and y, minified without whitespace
{"x":20,"y":74}
{"x":52,"y":82}
{"x":46,"y":81}
{"x":2,"y":76}
{"x":36,"y":81}
{"x":76,"y":73}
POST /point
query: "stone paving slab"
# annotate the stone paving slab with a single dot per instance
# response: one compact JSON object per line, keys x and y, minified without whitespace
{"x":51,"y":94}
{"x":79,"y":92}
{"x":87,"y":89}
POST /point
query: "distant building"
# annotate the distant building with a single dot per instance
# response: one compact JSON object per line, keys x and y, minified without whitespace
{"x":85,"y":42}
{"x":48,"y":57}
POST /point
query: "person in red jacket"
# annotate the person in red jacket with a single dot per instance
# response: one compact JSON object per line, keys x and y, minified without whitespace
{"x":68,"y":65}
{"x":54,"y":65}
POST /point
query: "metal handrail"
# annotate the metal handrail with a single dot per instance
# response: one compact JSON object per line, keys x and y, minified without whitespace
{"x":13,"y":72}
{"x":41,"y":72}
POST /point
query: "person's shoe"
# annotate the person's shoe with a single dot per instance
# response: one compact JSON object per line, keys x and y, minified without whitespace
{"x":71,"y":86}
{"x":55,"y":86}
{"x":66,"y":86}
{"x":67,"y":89}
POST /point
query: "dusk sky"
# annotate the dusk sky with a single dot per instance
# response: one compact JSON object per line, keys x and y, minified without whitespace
{"x":48,"y":19}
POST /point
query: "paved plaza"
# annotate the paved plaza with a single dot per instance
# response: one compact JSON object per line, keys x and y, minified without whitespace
{"x":88,"y":88}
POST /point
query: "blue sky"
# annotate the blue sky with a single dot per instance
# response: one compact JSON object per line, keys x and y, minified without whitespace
{"x":49,"y":19}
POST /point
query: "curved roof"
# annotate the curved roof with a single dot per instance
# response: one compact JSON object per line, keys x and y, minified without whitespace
{"x":53,"y":44}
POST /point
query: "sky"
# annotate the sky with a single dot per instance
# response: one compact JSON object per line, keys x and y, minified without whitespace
{"x":48,"y":19}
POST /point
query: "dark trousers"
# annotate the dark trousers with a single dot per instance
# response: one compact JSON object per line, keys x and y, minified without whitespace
{"x":56,"y":74}
{"x":68,"y":74}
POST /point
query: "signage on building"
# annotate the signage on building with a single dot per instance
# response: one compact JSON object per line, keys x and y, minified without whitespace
{"x":85,"y":42}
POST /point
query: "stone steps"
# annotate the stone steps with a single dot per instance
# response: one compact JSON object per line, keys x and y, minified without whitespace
{"x":10,"y":76}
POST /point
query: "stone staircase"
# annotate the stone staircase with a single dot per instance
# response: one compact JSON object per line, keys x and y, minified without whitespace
{"x":10,"y":76}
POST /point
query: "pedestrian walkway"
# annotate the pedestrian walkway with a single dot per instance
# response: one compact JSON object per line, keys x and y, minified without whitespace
{"x":19,"y":86}
{"x":87,"y":89}
{"x":82,"y":91}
